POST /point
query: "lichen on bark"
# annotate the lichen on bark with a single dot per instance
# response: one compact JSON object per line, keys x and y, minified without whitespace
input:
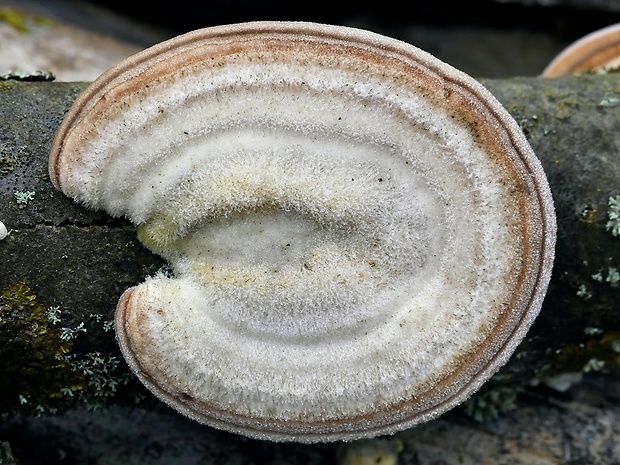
{"x":34,"y":357}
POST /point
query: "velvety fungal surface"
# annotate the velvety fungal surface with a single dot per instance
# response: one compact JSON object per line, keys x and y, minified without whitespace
{"x":360,"y":234}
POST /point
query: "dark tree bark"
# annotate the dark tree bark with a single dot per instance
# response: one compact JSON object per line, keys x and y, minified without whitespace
{"x":81,"y":261}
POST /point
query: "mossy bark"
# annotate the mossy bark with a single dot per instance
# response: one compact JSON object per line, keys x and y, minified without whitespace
{"x":81,"y":260}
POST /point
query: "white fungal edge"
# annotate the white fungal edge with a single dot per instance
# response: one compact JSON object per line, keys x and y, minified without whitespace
{"x":3,"y":231}
{"x":133,"y":65}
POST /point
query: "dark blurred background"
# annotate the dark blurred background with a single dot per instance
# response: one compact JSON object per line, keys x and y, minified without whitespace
{"x":484,"y":38}
{"x":567,"y":19}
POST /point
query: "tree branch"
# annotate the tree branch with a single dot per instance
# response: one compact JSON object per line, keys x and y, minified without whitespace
{"x":78,"y":262}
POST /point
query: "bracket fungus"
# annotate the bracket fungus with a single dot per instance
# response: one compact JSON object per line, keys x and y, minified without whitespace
{"x":360,"y":234}
{"x":594,"y":52}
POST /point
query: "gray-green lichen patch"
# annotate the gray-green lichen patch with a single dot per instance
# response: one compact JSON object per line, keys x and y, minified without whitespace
{"x":22,"y":198}
{"x":611,"y":275}
{"x":20,"y":75}
{"x":42,"y":368}
{"x":609,"y":102}
{"x":613,"y":215}
{"x":105,"y":375}
{"x":584,"y":292}
{"x":34,"y":358}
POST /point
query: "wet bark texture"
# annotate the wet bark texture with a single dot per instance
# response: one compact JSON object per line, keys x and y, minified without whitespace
{"x":81,"y":261}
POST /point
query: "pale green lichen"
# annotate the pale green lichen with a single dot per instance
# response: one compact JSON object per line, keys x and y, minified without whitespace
{"x":583,"y":292}
{"x":101,"y":371}
{"x":593,"y":365}
{"x":40,"y":371}
{"x":19,"y":75}
{"x":609,"y":102}
{"x":611,"y":276}
{"x":613,"y":215}
{"x":590,"y":331}
{"x":67,"y":334}
{"x":23,"y":197}
{"x":33,"y":355}
{"x":106,"y":324}
{"x":53,"y":315}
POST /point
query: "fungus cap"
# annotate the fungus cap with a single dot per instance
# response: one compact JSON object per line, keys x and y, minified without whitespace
{"x":360,"y":234}
{"x":596,"y":51}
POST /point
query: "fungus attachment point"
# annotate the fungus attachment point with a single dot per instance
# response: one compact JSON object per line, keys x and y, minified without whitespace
{"x":360,"y":234}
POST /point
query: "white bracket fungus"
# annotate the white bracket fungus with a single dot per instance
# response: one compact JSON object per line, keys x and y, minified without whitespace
{"x":360,"y":234}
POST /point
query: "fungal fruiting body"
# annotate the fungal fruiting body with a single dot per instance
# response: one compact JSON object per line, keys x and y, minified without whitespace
{"x":360,"y":234}
{"x":596,"y":51}
{"x":3,"y":231}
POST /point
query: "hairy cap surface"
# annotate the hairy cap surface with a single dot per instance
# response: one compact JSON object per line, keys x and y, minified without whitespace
{"x":360,"y":234}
